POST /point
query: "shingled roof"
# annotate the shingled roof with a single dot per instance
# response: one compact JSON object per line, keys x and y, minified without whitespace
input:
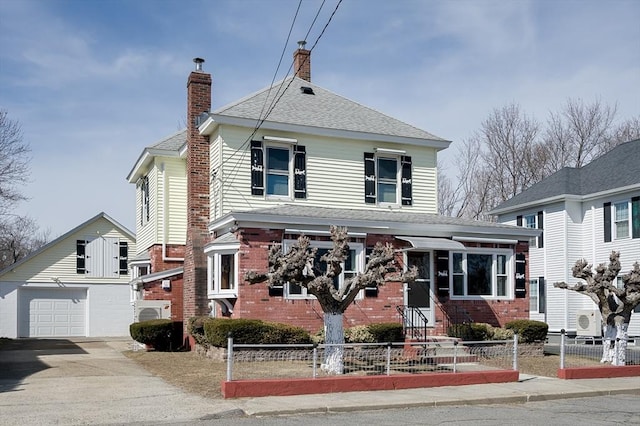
{"x":618,"y":168}
{"x":313,"y":109}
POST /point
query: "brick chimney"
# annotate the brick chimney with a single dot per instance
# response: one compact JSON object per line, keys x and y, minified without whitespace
{"x":302,"y":62}
{"x":195,"y":265}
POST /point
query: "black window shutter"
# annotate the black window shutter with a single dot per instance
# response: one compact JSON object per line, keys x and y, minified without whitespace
{"x":607,"y":222}
{"x":521,"y":263}
{"x":124,"y":257}
{"x":300,"y":172}
{"x":407,"y":199}
{"x":369,"y":178}
{"x":635,"y":217}
{"x":542,"y":297}
{"x":519,"y":220}
{"x":541,"y":226}
{"x":80,"y":256}
{"x":257,"y":168}
{"x":442,"y":279}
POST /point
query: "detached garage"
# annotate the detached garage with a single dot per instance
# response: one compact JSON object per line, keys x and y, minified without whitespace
{"x":75,"y":286}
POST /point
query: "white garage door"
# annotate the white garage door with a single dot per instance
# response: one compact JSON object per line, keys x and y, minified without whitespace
{"x":52,"y":312}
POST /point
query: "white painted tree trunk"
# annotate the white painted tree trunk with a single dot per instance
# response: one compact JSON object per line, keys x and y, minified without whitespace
{"x":614,"y":344}
{"x":334,"y":341}
{"x":620,"y":350}
{"x":608,"y":339}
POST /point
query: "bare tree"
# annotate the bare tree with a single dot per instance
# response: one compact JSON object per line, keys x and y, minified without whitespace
{"x":510,"y":153}
{"x":19,"y":237}
{"x":300,"y":266}
{"x":14,"y":162}
{"x":615,"y":304}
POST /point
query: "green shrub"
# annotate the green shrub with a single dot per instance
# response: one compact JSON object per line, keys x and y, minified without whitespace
{"x":473,"y":332}
{"x":161,"y":334}
{"x":195,"y":328}
{"x":529,"y":330}
{"x":501,"y":334}
{"x":386,"y":332}
{"x":252,"y":331}
{"x":358,"y":334}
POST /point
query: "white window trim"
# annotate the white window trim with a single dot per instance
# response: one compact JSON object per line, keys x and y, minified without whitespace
{"x":290,"y":175}
{"x":214,"y":256}
{"x":614,"y":222}
{"x":534,"y":284}
{"x":360,"y":263}
{"x":398,"y":182}
{"x":510,"y":271}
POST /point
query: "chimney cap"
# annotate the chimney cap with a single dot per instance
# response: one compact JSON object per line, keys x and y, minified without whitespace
{"x":198,"y":62}
{"x":302,"y":44}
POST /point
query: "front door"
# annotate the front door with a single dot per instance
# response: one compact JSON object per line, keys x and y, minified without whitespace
{"x":418,"y":295}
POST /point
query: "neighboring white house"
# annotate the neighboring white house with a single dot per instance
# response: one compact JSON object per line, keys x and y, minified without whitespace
{"x":77,"y":285}
{"x":587,"y":213}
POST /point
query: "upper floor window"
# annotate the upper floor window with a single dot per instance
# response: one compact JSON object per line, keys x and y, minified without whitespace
{"x":102,"y":257}
{"x":278,"y":170}
{"x":144,"y":200}
{"x":353,"y":264}
{"x":621,"y":219}
{"x":387,"y":179}
{"x":481,"y":274}
{"x":533,"y":221}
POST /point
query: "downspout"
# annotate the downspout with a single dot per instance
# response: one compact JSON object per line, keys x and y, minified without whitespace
{"x":165,"y":221}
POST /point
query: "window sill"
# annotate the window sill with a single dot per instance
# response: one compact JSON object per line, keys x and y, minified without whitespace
{"x":223,"y":295}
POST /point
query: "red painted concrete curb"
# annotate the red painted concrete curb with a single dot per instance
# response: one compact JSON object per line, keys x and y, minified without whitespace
{"x":279,"y":387}
{"x":601,"y":372}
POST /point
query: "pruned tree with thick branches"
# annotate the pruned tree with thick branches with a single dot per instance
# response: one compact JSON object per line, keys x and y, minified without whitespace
{"x":299,"y":266}
{"x":615,"y":304}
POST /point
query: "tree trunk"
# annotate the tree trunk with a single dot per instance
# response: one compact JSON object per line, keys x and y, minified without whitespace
{"x":620,"y":349}
{"x":614,"y":344}
{"x":334,"y":344}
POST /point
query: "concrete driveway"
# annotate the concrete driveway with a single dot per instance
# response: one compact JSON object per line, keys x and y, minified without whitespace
{"x":89,"y":381}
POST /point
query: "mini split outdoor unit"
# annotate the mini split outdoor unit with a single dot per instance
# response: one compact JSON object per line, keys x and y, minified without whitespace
{"x":588,"y":323}
{"x":152,"y":309}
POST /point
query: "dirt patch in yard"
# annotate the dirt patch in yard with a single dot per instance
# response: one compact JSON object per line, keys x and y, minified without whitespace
{"x":200,"y":375}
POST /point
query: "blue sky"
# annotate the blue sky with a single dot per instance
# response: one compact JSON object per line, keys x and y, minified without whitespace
{"x":93,"y":82}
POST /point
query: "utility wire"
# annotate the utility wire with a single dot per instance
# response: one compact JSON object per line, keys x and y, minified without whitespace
{"x":277,"y":98}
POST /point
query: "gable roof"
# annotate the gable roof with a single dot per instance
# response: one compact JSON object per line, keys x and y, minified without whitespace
{"x":166,"y":147}
{"x":321,"y":112}
{"x":101,"y":215}
{"x":618,"y":168}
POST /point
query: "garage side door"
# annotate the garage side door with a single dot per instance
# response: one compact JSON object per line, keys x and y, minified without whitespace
{"x":52,"y":312}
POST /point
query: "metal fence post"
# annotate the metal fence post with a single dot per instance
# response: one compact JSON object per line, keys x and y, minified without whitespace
{"x":616,"y":352}
{"x":455,"y":356}
{"x":229,"y":357}
{"x":562,"y":346}
{"x":315,"y":360}
{"x":515,"y":351}
{"x":388,"y":358}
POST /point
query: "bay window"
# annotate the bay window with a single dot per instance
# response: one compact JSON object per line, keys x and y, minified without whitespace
{"x":222,"y":271}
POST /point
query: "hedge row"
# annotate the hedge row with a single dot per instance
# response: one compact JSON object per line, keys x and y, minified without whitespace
{"x":528,"y":331}
{"x":164,"y":335}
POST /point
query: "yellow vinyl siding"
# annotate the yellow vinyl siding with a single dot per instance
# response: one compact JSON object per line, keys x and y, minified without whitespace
{"x":335,"y":173}
{"x":176,"y":203}
{"x":59,"y":260}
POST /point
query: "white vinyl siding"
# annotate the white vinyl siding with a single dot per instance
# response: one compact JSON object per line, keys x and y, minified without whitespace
{"x":328,"y":161}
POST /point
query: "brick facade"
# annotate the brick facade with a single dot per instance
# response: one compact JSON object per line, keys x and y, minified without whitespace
{"x":158,"y":262}
{"x":254,"y":300}
{"x":154,"y":291}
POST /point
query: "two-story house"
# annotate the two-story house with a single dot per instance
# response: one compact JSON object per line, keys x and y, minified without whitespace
{"x":295,"y":158}
{"x":585,"y":213}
